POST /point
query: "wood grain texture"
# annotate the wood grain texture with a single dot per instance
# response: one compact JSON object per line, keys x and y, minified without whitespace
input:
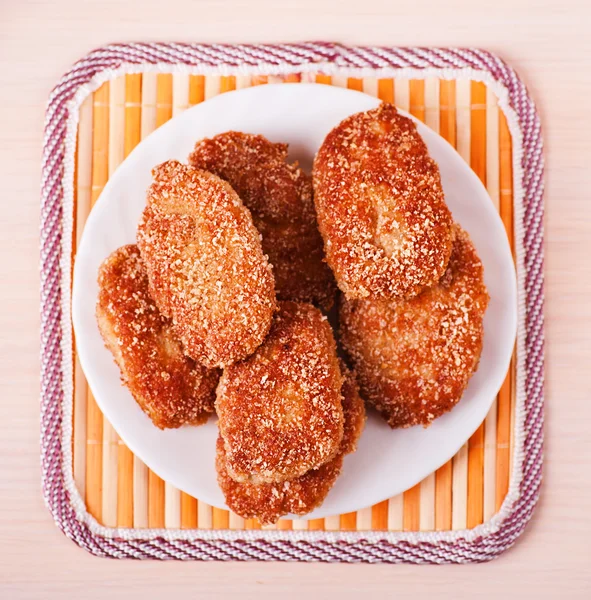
{"x":547,"y":41}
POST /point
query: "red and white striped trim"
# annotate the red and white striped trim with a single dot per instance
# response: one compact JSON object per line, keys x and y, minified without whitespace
{"x":479,"y":544}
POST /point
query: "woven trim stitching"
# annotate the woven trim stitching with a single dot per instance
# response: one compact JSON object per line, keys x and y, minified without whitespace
{"x":386,"y":541}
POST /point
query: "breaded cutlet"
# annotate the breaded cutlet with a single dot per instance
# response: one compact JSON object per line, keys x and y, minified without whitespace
{"x":280,"y":410}
{"x":205,"y":264}
{"x":414,"y":358}
{"x":268,"y":502}
{"x":380,"y":206}
{"x":169,"y":387}
{"x":279,"y":196}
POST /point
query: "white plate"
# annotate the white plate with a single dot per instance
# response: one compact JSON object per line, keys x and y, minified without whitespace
{"x":387,"y":462}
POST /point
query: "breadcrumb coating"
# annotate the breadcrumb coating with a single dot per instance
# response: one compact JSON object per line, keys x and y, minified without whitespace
{"x":169,"y":387}
{"x":205,"y":264}
{"x":380,"y":206}
{"x":280,"y":410}
{"x":269,"y":501}
{"x":279,"y":196}
{"x":414,"y":358}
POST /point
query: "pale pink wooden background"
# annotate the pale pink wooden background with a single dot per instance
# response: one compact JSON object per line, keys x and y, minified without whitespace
{"x":547,"y":41}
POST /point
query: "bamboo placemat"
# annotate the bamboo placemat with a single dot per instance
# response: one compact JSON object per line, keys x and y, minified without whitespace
{"x":117,"y":489}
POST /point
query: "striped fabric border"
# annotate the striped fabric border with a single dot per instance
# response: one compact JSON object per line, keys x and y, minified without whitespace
{"x":480,"y":543}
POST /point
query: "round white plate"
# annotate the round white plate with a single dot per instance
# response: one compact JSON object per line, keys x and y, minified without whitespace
{"x":387,"y":461}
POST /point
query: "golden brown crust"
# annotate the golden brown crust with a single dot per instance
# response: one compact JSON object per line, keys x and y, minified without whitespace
{"x":169,"y":387}
{"x":279,"y":195}
{"x":414,"y":357}
{"x":380,"y":206}
{"x":280,"y":410}
{"x":205,"y":264}
{"x":353,"y":410}
{"x":268,"y":502}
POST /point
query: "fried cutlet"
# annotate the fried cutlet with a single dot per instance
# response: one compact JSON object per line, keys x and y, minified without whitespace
{"x":414,"y":358}
{"x":169,"y":387}
{"x":380,"y":206}
{"x":279,"y":196}
{"x":268,"y":502}
{"x":205,"y":264}
{"x":280,"y":410}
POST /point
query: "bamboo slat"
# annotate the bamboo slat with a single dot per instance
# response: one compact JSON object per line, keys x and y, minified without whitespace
{"x":259,"y":80}
{"x":196,"y":89}
{"x":284,"y":524}
{"x":475,"y":498}
{"x":353,"y":83}
{"x":506,"y":398}
{"x":220,"y":518}
{"x":411,"y":503}
{"x":235,"y":522}
{"x":227,"y":84}
{"x":155,"y":501}
{"x":349,"y":521}
{"x":188,"y":512}
{"x":490,"y":425}
{"x":316,"y":525}
{"x":340,"y":81}
{"x":94,"y":417}
{"x":180,"y":93}
{"x":242,"y":81}
{"x":386,"y":90}
{"x":83,"y":204}
{"x":332,"y":523}
{"x":370,"y":86}
{"x":298,"y":525}
{"x":395,"y":513}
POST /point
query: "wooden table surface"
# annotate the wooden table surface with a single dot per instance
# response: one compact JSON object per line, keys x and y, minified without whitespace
{"x":547,"y":41}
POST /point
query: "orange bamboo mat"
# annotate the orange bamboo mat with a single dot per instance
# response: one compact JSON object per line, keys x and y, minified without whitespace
{"x":118,"y":488}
